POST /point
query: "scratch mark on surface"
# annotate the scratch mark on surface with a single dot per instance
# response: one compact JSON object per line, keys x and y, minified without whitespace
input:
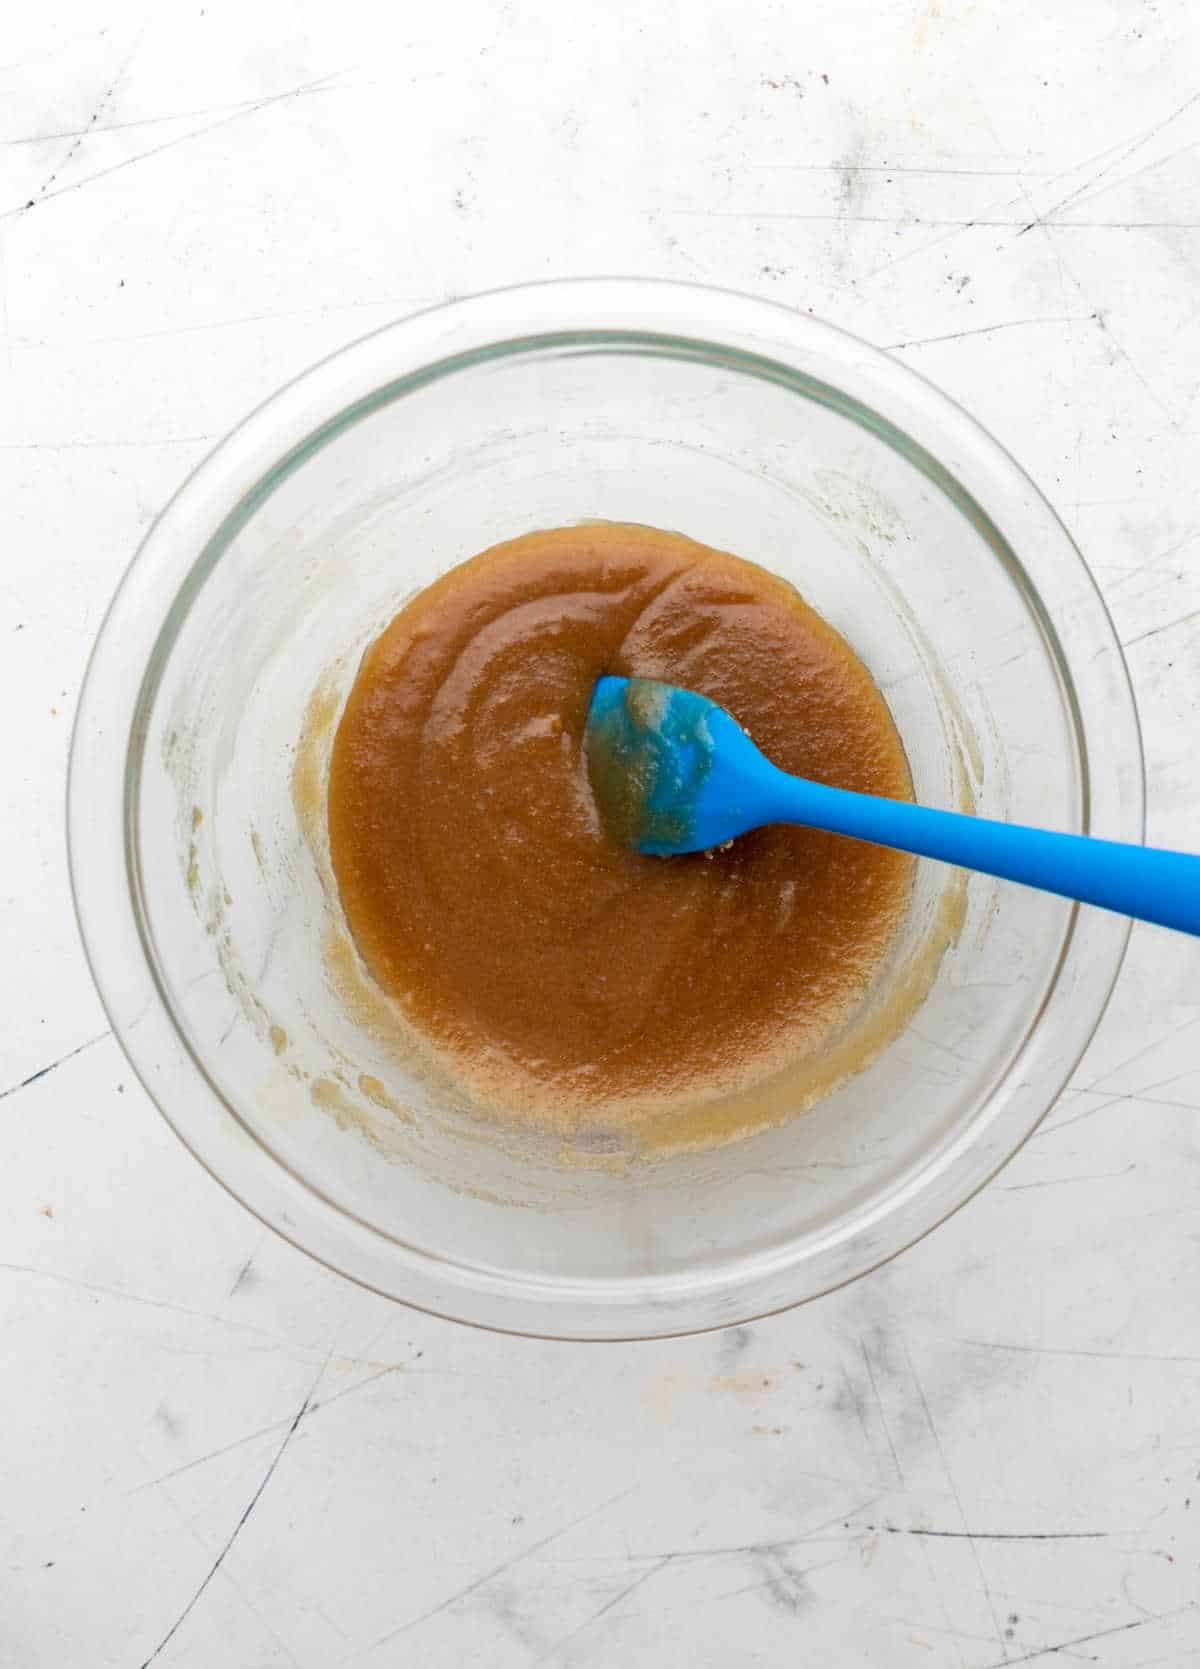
{"x":882,"y":1416}
{"x":1137,"y":1055}
{"x":1077,"y":462}
{"x":942,"y":1048}
{"x":5,"y":328}
{"x":970,"y":1538}
{"x":856,"y":1404}
{"x":79,"y":138}
{"x":953,"y":234}
{"x":254,"y":1610}
{"x":1115,"y":162}
{"x":241,"y":1523}
{"x":410,"y":300}
{"x":265,"y":1431}
{"x":1109,"y":1102}
{"x":100,"y":1291}
{"x":244,"y":1271}
{"x":1157,"y":581}
{"x":98,"y":445}
{"x":187,"y":1524}
{"x":951,"y":226}
{"x":630,"y":1587}
{"x":995,"y":1535}
{"x":236,"y":106}
{"x":988,"y":330}
{"x":170,"y":144}
{"x":811,"y":1536}
{"x":499,"y":1570}
{"x":1146,"y":168}
{"x":1094,"y":1355}
{"x":771,"y":1583}
{"x":1155,"y":631}
{"x":891,"y":168}
{"x":1086,"y":1639}
{"x":955,"y":1634}
{"x":42,"y":1071}
{"x":1059,"y":1181}
{"x":1103,"y":324}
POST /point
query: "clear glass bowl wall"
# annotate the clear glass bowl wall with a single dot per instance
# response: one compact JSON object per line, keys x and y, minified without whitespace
{"x":205,"y":910}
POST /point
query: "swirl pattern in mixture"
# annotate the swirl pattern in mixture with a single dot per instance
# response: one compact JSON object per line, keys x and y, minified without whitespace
{"x":565,"y":978}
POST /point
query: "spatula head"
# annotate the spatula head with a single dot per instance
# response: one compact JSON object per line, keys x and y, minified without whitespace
{"x":668,"y":767}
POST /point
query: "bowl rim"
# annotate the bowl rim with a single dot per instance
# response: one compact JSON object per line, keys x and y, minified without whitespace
{"x":237,"y":476}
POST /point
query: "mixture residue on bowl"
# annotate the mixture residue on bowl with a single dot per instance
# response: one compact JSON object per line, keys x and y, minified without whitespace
{"x":574,"y":983}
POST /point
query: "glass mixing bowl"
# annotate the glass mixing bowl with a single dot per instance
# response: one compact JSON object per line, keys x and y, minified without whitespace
{"x":197,"y":846}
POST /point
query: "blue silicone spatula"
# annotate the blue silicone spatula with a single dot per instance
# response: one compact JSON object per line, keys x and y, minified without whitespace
{"x":673,"y":772}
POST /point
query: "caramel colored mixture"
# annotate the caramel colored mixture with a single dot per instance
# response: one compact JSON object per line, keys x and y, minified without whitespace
{"x":563,"y":976}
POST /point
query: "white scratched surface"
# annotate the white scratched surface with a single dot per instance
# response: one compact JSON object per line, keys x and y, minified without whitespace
{"x":213,"y":1452}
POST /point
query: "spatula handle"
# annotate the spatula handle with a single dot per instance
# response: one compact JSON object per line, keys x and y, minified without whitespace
{"x":1142,"y":881}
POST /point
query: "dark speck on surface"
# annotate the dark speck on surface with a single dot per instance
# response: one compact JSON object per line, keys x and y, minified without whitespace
{"x":171,"y":1423}
{"x":734,"y":1344}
